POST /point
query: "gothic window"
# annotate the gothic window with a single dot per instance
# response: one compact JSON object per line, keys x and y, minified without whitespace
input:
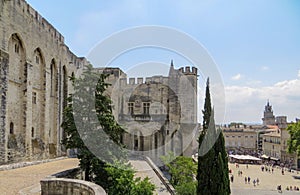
{"x":121,"y":139}
{"x":136,"y":142}
{"x":37,"y":59}
{"x":34,"y":97}
{"x":146,"y":107}
{"x":11,"y":128}
{"x":17,"y":48}
{"x":32,"y":132}
{"x":130,"y":107}
{"x":54,"y":79}
{"x":65,"y":87}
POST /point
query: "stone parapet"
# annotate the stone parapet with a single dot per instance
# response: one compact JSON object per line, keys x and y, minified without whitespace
{"x":63,"y":186}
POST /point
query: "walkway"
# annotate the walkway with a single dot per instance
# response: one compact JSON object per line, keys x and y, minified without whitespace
{"x":26,"y":180}
{"x":143,"y":170}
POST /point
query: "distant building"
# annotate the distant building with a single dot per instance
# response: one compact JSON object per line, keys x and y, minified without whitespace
{"x":272,"y":144}
{"x":269,"y":118}
{"x":268,"y":140}
{"x":240,"y":139}
{"x":275,"y":142}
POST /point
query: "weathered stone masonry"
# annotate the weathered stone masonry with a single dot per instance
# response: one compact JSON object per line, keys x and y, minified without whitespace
{"x":34,"y":67}
{"x":3,"y":89}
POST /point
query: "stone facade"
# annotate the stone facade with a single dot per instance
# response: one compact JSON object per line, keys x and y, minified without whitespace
{"x":275,"y":144}
{"x":64,"y":186}
{"x":240,"y":139}
{"x":272,"y":144}
{"x":159,"y":113}
{"x":34,"y":68}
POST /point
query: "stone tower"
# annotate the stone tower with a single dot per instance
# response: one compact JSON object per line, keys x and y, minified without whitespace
{"x":269,"y":118}
{"x":159,"y":113}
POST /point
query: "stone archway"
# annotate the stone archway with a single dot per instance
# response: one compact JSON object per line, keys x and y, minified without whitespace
{"x":16,"y":98}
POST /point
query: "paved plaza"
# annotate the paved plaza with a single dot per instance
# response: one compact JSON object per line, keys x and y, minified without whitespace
{"x":268,"y":181}
{"x":26,"y":180}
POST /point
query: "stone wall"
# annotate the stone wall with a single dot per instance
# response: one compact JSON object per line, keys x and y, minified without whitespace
{"x":63,"y":186}
{"x":159,"y":113}
{"x":34,"y":66}
{"x":3,"y":90}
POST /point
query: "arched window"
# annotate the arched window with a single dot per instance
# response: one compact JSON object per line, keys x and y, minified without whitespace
{"x":32,"y":132}
{"x":11,"y":128}
{"x":53,"y":77}
{"x":65,"y":87}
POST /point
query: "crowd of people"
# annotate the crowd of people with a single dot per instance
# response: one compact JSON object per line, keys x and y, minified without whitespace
{"x":266,"y":168}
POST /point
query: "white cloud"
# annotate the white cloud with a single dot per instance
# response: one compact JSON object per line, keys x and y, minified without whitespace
{"x":298,"y":73}
{"x":246,"y":104}
{"x":264,"y":68}
{"x":236,"y":77}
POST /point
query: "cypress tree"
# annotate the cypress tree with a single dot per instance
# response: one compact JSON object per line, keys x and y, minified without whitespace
{"x":212,"y":173}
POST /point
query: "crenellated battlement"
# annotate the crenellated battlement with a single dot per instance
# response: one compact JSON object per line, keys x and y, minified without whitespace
{"x":187,"y":70}
{"x":36,"y":18}
{"x":141,"y":80}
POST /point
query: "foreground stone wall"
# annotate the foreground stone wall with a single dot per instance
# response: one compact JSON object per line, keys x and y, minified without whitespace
{"x":62,"y":186}
{"x":35,"y":65}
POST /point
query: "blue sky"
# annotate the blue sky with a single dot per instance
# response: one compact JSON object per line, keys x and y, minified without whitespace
{"x":256,"y":44}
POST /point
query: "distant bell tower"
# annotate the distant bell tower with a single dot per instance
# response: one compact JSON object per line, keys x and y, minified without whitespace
{"x":269,"y":118}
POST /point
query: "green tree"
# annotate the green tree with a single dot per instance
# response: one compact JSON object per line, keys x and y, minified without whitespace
{"x":123,"y":182}
{"x":294,"y":140}
{"x":189,"y":188}
{"x":212,"y":173}
{"x":78,"y":134}
{"x":94,"y":141}
{"x":183,"y":171}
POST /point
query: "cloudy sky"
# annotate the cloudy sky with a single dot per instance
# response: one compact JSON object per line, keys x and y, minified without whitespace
{"x":255,"y":44}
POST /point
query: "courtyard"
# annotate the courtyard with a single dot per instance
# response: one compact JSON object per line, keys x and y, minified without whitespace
{"x":268,"y":181}
{"x":26,"y":180}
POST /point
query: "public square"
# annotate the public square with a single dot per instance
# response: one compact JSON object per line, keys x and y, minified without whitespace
{"x":268,"y":181}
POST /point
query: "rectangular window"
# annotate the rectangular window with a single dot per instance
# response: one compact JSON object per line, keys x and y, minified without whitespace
{"x":146,"y":107}
{"x":130,"y":107}
{"x":34,"y":97}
